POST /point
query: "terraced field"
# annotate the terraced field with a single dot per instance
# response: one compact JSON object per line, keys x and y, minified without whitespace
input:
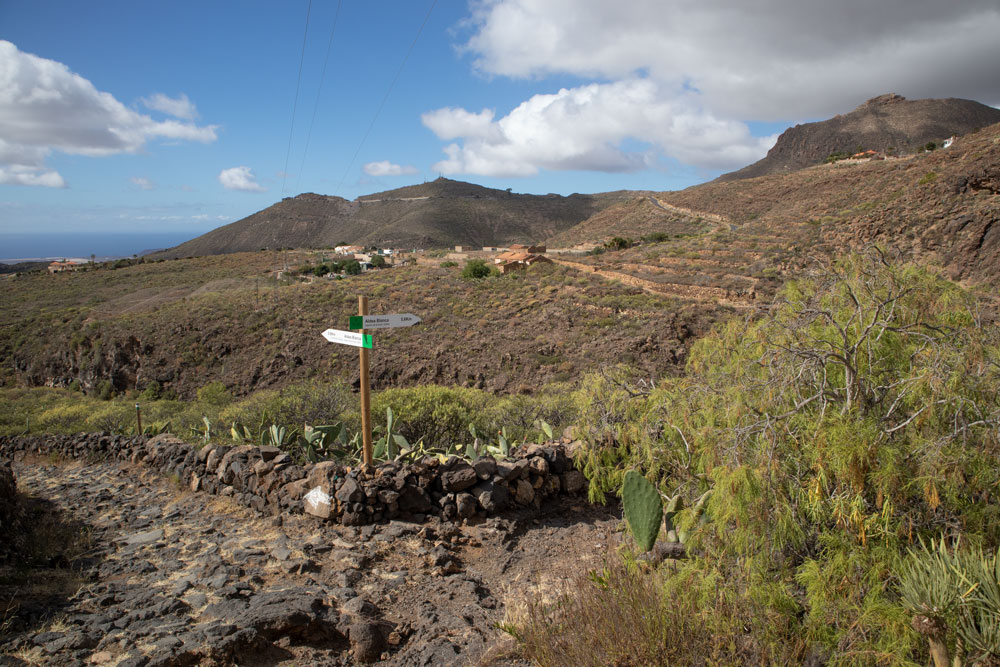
{"x":712,"y":260}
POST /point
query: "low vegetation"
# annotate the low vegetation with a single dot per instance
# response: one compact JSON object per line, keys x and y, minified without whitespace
{"x":859,"y":417}
{"x":801,"y":461}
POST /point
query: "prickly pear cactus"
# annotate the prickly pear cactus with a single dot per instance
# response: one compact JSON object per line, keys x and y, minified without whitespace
{"x":643,"y":509}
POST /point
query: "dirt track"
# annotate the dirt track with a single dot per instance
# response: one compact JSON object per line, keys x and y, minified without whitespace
{"x":181,"y":578}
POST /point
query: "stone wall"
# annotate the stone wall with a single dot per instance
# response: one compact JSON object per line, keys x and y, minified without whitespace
{"x":267,"y":480}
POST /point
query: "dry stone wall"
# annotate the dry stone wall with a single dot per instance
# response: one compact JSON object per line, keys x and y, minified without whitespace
{"x":267,"y":480}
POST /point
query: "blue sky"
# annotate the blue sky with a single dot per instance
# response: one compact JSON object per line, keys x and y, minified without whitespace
{"x":144,"y":117}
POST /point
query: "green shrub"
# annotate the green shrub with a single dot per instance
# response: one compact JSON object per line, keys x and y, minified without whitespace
{"x":151,"y":392}
{"x":520,"y":414}
{"x":439,"y":415}
{"x":112,"y":418}
{"x":860,"y":414}
{"x":313,"y":403}
{"x":476,"y":269}
{"x":618,"y":243}
{"x":214,"y":394}
{"x":836,"y":156}
{"x":64,"y":418}
{"x":104,"y":390}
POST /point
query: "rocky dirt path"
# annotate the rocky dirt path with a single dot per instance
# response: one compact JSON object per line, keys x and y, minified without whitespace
{"x":182,"y":578}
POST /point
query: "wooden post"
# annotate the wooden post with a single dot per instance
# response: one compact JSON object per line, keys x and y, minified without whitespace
{"x":138,"y":420}
{"x":366,"y":399}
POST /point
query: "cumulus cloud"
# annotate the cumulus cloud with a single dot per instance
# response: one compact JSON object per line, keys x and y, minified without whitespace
{"x":386,"y":168}
{"x":681,"y":80}
{"x":181,"y":107}
{"x":142,"y":183}
{"x":771,"y":60}
{"x":240,"y":178}
{"x":22,"y":175}
{"x":586,"y":128}
{"x":45,"y":107}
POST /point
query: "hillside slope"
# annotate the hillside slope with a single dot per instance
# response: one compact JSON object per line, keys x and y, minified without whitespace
{"x":941,"y":207}
{"x":888,"y":124}
{"x":438,"y":214}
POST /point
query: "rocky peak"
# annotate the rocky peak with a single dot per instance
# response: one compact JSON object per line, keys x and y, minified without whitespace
{"x":882,"y":100}
{"x":888,"y":123}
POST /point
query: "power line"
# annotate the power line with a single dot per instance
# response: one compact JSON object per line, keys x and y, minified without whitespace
{"x":322,"y":78}
{"x":295,"y":104}
{"x":386,"y":97}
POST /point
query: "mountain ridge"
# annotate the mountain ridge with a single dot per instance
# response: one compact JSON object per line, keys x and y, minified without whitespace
{"x":887,"y":124}
{"x":436,"y":214}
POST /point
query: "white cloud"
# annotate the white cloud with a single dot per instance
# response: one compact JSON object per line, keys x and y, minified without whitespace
{"x":681,"y":79}
{"x":386,"y":168}
{"x":770,"y":60}
{"x":22,"y":175}
{"x":586,"y":128}
{"x":45,"y":107}
{"x":181,"y":107}
{"x":240,"y":178}
{"x":142,"y":183}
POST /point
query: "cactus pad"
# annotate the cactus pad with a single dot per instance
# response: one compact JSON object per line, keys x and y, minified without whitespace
{"x":643,"y":509}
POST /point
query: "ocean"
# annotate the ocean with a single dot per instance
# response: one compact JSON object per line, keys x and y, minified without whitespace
{"x":105,"y":245}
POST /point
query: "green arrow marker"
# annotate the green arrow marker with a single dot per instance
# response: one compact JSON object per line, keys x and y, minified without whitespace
{"x":348,"y":338}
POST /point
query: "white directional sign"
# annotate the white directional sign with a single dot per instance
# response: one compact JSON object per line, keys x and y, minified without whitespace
{"x":383,"y":321}
{"x":348,"y":338}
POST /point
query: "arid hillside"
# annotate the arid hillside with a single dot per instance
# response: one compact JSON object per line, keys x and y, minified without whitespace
{"x":185,"y":323}
{"x":939,"y":207}
{"x":438,"y":214}
{"x":888,"y":124}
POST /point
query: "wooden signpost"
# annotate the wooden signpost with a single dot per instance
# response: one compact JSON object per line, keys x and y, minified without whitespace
{"x":363,"y":340}
{"x":366,"y":396}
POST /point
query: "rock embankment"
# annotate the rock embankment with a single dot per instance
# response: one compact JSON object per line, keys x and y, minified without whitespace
{"x":10,"y":512}
{"x":268,"y":481}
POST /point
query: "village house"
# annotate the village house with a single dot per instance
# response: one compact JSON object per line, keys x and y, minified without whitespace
{"x":518,"y":261}
{"x":534,"y":249}
{"x":348,"y":249}
{"x":58,"y":267}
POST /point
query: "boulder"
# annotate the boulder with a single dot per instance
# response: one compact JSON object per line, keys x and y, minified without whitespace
{"x":460,"y":478}
{"x":413,"y":500}
{"x":368,"y":640}
{"x":350,"y":491}
{"x":572,"y":481}
{"x":523,"y":491}
{"x":485,"y":467}
{"x":317,"y":503}
{"x":491,"y":497}
{"x":465,"y":504}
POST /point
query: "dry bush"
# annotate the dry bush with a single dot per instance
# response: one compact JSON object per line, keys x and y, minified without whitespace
{"x":631,"y":616}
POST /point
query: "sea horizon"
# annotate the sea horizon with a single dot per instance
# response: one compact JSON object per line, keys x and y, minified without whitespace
{"x":16,"y":248}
